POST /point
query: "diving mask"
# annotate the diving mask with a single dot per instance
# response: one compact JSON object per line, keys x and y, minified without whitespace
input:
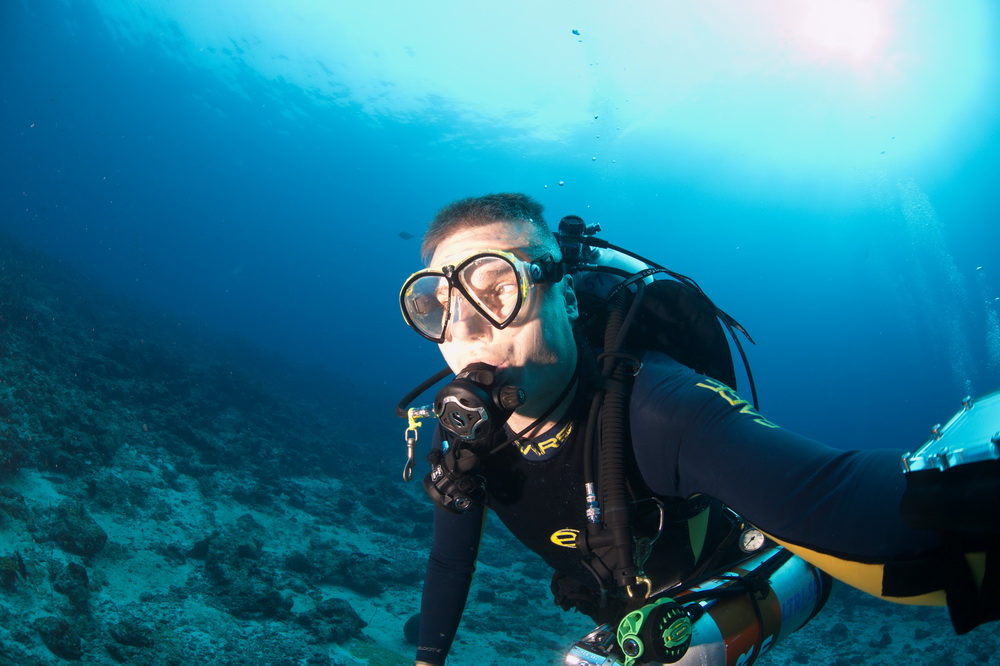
{"x":495,"y":283}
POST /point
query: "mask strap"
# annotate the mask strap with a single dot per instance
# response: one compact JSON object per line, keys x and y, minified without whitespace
{"x":546,"y":269}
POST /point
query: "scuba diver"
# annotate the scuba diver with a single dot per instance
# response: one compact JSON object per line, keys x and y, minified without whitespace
{"x":594,"y":410}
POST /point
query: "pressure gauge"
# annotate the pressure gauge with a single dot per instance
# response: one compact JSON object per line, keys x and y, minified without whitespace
{"x":751,"y":540}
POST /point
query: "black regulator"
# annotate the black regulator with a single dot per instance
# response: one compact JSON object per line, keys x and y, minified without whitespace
{"x":471,"y":408}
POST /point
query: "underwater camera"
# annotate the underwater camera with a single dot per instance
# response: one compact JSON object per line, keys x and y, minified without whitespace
{"x":953,"y":479}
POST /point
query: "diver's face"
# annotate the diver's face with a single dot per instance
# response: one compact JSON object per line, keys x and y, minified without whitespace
{"x":537,"y":352}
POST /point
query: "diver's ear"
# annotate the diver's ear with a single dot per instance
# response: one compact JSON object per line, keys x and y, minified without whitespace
{"x":572,"y":306}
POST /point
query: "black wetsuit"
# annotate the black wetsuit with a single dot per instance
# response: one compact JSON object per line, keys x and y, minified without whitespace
{"x":691,"y":435}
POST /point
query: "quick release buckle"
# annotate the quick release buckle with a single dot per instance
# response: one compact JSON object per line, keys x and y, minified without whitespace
{"x":413,"y":416}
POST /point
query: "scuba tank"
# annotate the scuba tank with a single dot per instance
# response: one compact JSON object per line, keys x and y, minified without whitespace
{"x":731,"y":618}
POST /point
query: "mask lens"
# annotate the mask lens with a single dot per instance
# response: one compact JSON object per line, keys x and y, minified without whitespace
{"x":426,"y":302}
{"x":493,"y":284}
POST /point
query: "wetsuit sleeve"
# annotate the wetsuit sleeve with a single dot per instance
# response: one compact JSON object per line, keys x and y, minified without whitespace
{"x":692,"y":435}
{"x":446,"y":585}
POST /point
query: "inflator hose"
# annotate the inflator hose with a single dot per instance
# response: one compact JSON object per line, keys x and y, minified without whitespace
{"x":615,"y":388}
{"x":401,"y":407}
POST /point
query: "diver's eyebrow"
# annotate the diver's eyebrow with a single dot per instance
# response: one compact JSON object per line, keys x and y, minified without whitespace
{"x":497,"y":270}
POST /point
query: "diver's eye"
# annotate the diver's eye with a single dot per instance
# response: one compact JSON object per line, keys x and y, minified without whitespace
{"x":506,"y":293}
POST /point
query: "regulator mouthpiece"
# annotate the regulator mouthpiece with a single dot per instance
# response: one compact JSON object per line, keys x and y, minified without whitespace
{"x":472,"y":406}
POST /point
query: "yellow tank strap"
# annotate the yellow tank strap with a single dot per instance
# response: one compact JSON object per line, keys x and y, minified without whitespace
{"x":868,"y":577}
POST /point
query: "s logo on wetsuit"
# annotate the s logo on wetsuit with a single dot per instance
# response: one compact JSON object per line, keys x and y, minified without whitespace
{"x":729,"y":395}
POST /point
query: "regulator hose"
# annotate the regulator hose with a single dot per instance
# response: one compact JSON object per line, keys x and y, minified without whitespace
{"x":611,"y":404}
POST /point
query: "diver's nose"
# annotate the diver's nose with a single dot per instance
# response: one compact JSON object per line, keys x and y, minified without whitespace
{"x":466,"y":323}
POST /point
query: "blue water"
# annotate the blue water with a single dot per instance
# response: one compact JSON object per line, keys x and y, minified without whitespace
{"x":216,"y":170}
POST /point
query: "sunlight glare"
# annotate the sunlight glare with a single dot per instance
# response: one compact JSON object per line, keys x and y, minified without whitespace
{"x":846,"y":26}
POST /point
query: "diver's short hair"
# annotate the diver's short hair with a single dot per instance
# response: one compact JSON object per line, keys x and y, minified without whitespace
{"x":480,"y":211}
